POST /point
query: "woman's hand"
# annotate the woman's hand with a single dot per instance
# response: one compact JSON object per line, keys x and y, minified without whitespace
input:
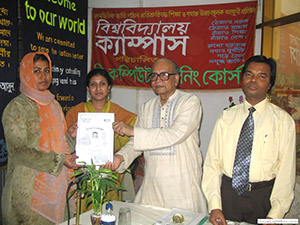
{"x":73,"y":130}
{"x":122,"y":128}
{"x":70,"y":161}
{"x":118,"y":159}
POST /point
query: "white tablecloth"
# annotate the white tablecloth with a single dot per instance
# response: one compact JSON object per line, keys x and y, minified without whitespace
{"x":140,"y":214}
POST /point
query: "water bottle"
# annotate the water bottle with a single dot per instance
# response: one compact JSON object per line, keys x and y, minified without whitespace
{"x":108,"y":218}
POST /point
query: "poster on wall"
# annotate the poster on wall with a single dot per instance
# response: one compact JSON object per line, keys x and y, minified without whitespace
{"x":60,"y":29}
{"x":210,"y":43}
{"x":287,"y":86}
{"x":8,"y":62}
{"x":286,"y":91}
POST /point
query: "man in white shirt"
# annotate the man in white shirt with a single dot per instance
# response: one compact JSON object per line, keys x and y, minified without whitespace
{"x":271,"y":175}
{"x":167,"y":133}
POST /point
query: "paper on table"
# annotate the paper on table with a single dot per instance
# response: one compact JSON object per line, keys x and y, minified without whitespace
{"x":190,"y":218}
{"x":95,"y":138}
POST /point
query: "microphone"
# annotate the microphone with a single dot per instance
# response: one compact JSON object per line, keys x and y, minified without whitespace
{"x":78,"y":178}
{"x":75,"y":181}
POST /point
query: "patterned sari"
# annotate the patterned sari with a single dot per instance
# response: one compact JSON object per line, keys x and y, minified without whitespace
{"x":119,"y":141}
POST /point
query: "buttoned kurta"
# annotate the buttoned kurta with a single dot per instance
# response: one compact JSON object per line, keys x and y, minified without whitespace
{"x":168,"y":135}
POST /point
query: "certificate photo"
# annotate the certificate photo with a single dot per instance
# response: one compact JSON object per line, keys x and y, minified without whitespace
{"x":95,"y":138}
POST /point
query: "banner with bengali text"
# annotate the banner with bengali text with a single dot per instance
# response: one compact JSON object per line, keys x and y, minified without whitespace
{"x":8,"y":63}
{"x":210,"y":43}
{"x":60,"y":29}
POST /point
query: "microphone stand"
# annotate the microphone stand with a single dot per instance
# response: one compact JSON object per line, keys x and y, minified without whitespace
{"x":78,"y":208}
{"x":79,"y":196}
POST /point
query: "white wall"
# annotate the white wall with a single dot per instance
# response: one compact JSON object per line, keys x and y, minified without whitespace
{"x":213,"y":102}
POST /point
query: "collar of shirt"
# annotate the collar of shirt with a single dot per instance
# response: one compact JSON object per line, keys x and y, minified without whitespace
{"x":259,"y":108}
{"x":171,"y":97}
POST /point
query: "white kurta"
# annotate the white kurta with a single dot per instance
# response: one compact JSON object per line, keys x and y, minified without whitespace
{"x":168,"y":136}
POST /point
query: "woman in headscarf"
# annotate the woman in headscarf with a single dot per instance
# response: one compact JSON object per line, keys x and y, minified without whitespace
{"x":39,"y":160}
{"x":99,"y":84}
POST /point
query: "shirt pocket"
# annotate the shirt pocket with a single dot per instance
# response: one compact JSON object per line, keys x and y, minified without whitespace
{"x":269,"y":153}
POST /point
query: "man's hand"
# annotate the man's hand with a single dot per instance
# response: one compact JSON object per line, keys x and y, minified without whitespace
{"x":70,"y":161}
{"x":73,"y":130}
{"x":269,"y":223}
{"x":122,"y":128}
{"x":118,"y":159}
{"x":217,"y":217}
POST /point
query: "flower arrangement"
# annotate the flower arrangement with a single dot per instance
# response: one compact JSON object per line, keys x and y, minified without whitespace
{"x":231,"y":102}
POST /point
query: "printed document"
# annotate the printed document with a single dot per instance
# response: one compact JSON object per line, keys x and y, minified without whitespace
{"x":95,"y":138}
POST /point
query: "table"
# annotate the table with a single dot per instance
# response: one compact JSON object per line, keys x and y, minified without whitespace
{"x":140,"y":214}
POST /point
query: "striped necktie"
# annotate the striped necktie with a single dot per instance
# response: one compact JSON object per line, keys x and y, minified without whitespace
{"x":240,"y":174}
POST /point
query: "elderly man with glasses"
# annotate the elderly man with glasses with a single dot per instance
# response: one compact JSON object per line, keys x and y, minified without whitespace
{"x":167,"y":133}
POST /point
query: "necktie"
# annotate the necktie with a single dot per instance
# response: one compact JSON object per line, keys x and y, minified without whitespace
{"x":240,"y":175}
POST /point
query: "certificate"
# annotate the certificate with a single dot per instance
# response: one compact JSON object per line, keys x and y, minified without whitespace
{"x":95,"y":138}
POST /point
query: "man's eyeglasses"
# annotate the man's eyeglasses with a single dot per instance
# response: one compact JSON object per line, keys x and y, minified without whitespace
{"x":163,"y":76}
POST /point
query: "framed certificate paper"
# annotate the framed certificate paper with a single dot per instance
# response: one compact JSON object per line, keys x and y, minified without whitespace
{"x":95,"y":138}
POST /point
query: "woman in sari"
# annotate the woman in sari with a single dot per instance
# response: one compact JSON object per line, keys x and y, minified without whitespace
{"x":40,"y":162}
{"x":99,"y":84}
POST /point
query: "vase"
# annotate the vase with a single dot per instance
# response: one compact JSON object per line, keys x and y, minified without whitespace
{"x":96,"y":218}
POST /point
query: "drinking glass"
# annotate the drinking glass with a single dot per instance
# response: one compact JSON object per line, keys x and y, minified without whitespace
{"x":124,"y":216}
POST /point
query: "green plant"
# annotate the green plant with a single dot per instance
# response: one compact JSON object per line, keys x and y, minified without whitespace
{"x":95,"y":183}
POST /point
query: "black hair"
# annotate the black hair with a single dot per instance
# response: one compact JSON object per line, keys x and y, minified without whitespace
{"x":262,"y":59}
{"x":96,"y":72}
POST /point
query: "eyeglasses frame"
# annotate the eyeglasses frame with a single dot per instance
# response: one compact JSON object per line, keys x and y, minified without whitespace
{"x":158,"y":75}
